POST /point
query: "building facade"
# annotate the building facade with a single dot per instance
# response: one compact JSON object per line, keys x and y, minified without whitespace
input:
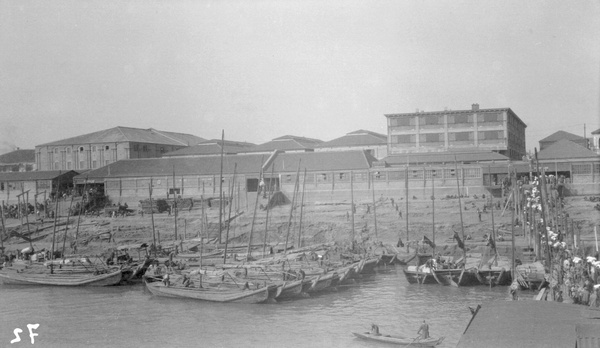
{"x":498,"y":130}
{"x":95,"y":150}
{"x":19,"y":160}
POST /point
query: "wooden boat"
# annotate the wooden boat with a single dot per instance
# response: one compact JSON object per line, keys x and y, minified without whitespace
{"x":456,"y":276}
{"x":400,"y":340}
{"x":213,"y":294}
{"x":11,"y":277}
{"x":290,"y":289}
{"x":419,"y":275}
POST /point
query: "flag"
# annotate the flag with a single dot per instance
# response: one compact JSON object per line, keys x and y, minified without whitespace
{"x":428,"y":241}
{"x":459,"y":241}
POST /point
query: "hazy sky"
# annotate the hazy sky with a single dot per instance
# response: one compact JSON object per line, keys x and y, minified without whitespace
{"x":263,"y":69}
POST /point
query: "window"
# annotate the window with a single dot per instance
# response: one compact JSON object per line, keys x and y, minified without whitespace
{"x":56,"y":166}
{"x":430,"y":120}
{"x":81,"y":149}
{"x":1,"y":186}
{"x":491,"y":135}
{"x":56,"y":150}
{"x":68,"y":150}
{"x":81,"y":164}
{"x":472,"y":173}
{"x":68,"y":165}
{"x":460,"y":119}
{"x":174,"y":191}
{"x":582,"y":169}
{"x":489,"y":118}
{"x":136,"y":147}
{"x":93,"y":148}
{"x":94,"y":164}
{"x":145,"y":148}
{"x":461,"y":136}
{"x":162,"y":150}
{"x":403,"y":139}
{"x":431,"y":138}
{"x":106,"y":162}
{"x":107,"y":147}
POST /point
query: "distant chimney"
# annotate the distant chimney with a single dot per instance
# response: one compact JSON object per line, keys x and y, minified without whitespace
{"x":475,"y":107}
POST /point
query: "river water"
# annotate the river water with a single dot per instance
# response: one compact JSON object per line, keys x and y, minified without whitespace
{"x":129,"y":316}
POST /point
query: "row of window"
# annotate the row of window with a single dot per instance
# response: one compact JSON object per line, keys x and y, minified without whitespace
{"x":82,"y":149}
{"x":440,"y":137}
{"x":430,"y":120}
{"x":82,"y":165}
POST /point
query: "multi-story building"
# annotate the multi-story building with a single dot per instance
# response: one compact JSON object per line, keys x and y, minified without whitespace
{"x":596,"y":141}
{"x":19,"y":160}
{"x":95,"y":150}
{"x":498,"y":130}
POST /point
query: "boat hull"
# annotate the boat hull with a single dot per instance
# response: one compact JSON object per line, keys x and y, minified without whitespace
{"x":213,"y":295}
{"x":398,"y":340}
{"x":15,"y":278}
{"x":419,"y":277}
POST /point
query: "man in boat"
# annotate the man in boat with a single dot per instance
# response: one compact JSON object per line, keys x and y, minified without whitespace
{"x":423,"y":330}
{"x":375,"y":330}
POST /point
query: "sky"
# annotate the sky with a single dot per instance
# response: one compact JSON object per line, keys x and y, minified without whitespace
{"x":263,"y":69}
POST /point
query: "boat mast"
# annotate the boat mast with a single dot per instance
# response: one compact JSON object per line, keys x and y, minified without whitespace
{"x":301,"y":210}
{"x":268,"y":208}
{"x":221,"y":186}
{"x":292,"y":208}
{"x":175,"y":206}
{"x":462,"y":227}
{"x":514,"y":187}
{"x":229,"y":218}
{"x":79,"y":216}
{"x":3,"y":228}
{"x":55,"y":221}
{"x":433,"y":209}
{"x":406,"y":199}
{"x":542,"y":189}
{"x":352,"y":206}
{"x":374,"y":205}
{"x":152,"y":217}
{"x":67,"y":227}
{"x":26,"y":214}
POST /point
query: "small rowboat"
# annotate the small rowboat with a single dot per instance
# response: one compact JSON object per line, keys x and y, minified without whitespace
{"x":400,"y":340}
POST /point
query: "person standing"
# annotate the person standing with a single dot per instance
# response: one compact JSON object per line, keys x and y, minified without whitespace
{"x":423,"y":330}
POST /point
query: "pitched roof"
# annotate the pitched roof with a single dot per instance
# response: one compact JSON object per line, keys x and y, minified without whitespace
{"x":128,"y":134}
{"x":561,"y":135}
{"x":526,"y":324}
{"x":565,"y":149}
{"x":18,"y":156}
{"x":288,"y":143}
{"x":445,"y":157}
{"x":246,"y":164}
{"x":211,"y":147}
{"x":597,"y":131}
{"x":322,"y":161}
{"x":357,"y":138}
{"x":34,"y":175}
{"x":202,"y":165}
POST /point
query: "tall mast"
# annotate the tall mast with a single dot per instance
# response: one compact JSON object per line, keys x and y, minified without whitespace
{"x":260,"y":175}
{"x":152,"y":217}
{"x":292,"y":207}
{"x":80,"y":211}
{"x":374,"y":205}
{"x":221,"y":186}
{"x":301,"y":210}
{"x":433,"y":208}
{"x":229,"y":218}
{"x":352,"y":203}
{"x":406,"y":199}
{"x":268,"y":201}
{"x":175,"y":205}
{"x":460,"y":208}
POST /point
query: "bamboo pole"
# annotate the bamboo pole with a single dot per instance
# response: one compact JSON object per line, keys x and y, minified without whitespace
{"x":406,"y":199}
{"x":352,"y":205}
{"x":432,"y":209}
{"x":460,"y":208}
{"x":514,"y":187}
{"x":302,"y":210}
{"x":152,"y":217}
{"x":221,"y":186}
{"x":67,"y":227}
{"x":292,"y":208}
{"x":229,"y":218}
{"x":79,"y":216}
{"x":26,"y":214}
{"x":174,"y":204}
{"x":268,"y":209}
{"x":3,"y":228}
{"x":374,"y":206}
{"x":543,"y":197}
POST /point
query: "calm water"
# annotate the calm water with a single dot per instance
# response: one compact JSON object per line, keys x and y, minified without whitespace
{"x":128,"y":316}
